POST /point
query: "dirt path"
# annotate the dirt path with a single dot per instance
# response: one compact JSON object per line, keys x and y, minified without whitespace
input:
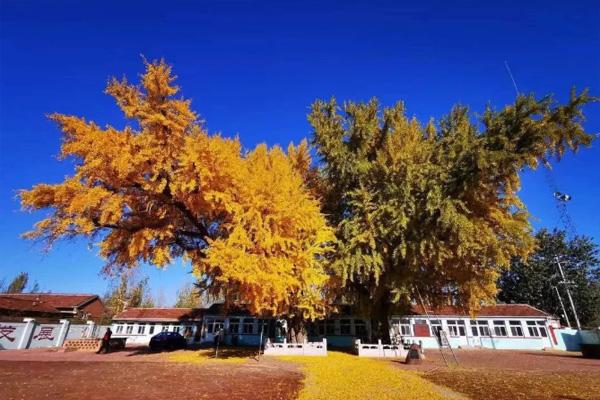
{"x":83,"y":376}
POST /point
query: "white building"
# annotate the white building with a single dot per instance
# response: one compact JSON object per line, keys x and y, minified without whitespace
{"x":501,"y":326}
{"x":138,"y":325}
{"x":197,"y":325}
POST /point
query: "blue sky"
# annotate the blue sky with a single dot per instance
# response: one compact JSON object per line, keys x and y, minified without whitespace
{"x":253,"y":68}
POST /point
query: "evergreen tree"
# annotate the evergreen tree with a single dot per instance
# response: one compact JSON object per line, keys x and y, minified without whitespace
{"x":536,"y":280}
{"x":18,"y":284}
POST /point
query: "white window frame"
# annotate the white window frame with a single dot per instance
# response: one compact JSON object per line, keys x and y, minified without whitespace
{"x":500,"y":326}
{"x":141,"y":329}
{"x":404,"y":328}
{"x":537,"y":329}
{"x":456,"y":327}
{"x":480,"y":328}
{"x":128,"y":329}
{"x":516,"y":326}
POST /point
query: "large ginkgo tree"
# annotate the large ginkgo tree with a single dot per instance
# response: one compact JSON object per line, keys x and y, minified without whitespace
{"x":162,"y":188}
{"x":431,"y":211}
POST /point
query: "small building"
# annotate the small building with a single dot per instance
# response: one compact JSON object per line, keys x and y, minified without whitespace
{"x":501,"y":326}
{"x":197,"y":325}
{"x":51,"y":307}
{"x":138,"y":325}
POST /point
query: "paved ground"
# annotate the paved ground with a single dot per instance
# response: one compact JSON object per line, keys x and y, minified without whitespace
{"x":137,"y":374}
{"x":39,"y":374}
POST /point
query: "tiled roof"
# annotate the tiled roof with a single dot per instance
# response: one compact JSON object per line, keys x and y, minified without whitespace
{"x":160,"y":314}
{"x":498,"y":310}
{"x":43,"y":302}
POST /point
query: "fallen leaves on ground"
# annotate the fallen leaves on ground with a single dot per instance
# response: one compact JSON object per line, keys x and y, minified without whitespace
{"x":345,"y":376}
{"x":226,"y":355}
{"x":520,"y":385}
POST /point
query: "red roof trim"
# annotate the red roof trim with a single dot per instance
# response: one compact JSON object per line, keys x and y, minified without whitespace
{"x":497,"y":310}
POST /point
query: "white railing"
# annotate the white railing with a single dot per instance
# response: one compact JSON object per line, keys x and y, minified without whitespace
{"x":296,"y":349}
{"x":380,"y":350}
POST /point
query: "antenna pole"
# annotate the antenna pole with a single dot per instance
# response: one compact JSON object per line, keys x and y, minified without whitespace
{"x":562,"y":274}
{"x":562,"y":305}
{"x":511,"y":77}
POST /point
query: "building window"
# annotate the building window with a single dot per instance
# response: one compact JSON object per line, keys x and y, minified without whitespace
{"x":500,"y":328}
{"x":480,"y":328}
{"x":128,"y":329}
{"x":234,"y":325}
{"x":345,"y":327}
{"x":165,"y":328}
{"x":214,"y":325}
{"x":537,"y":328}
{"x":141,"y":329}
{"x":405,"y":327}
{"x":436,"y":327}
{"x":329,"y":327}
{"x":176,"y":328}
{"x":456,"y":327}
{"x":248,"y":326}
{"x":515,"y":328}
{"x":360,"y":328}
{"x":119,"y":329}
{"x":151,"y":329}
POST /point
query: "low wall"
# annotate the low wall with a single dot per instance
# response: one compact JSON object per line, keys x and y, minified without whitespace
{"x":296,"y":349}
{"x":30,"y":334}
{"x":379,"y":350}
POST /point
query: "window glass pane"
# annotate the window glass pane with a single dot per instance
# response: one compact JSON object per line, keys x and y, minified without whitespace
{"x":533,"y":331}
{"x":345,"y":326}
{"x":141,"y":329}
{"x":321,"y":326}
{"x":360,"y":328}
{"x":234,"y":325}
{"x":248,"y":326}
{"x":330,"y":327}
{"x":151,"y":330}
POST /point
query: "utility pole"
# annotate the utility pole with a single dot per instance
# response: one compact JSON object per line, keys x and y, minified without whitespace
{"x":562,"y":305}
{"x":564,"y":282}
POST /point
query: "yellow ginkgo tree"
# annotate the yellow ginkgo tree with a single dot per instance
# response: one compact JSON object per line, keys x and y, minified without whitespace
{"x":163,"y":189}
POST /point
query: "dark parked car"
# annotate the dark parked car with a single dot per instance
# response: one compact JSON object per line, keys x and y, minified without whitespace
{"x":167,"y":341}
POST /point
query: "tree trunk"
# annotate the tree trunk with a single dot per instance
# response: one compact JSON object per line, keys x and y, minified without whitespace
{"x":297,"y":330}
{"x":380,"y":314}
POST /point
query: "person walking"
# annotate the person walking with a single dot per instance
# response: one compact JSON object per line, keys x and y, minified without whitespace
{"x":105,"y":347}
